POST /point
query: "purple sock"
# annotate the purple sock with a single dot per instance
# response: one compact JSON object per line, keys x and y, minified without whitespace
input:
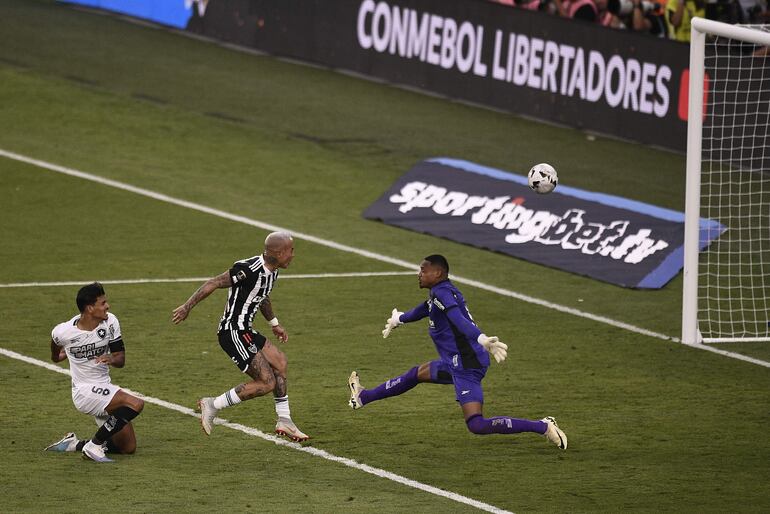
{"x":392,"y":387}
{"x":478,"y":424}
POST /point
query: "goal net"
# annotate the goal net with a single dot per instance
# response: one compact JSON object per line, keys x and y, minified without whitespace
{"x":727,"y":286}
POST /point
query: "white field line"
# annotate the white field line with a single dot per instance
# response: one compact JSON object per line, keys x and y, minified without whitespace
{"x":349,"y":249}
{"x":201,"y":279}
{"x":283,"y":442}
{"x":732,"y":355}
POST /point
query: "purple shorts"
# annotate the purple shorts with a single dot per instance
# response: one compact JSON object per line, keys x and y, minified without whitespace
{"x":467,"y":382}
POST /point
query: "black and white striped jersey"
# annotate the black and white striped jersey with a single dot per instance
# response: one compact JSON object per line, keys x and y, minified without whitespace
{"x":252,"y":283}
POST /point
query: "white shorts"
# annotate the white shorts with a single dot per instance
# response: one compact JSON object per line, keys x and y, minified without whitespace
{"x":93,"y":399}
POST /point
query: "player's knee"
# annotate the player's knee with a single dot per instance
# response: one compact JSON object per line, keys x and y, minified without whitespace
{"x":122,"y":443}
{"x":477,"y":425}
{"x":423,"y":372}
{"x":138,"y":405}
{"x":281,"y":365}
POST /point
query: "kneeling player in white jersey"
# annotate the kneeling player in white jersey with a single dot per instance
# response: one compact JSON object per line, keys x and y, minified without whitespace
{"x":92,"y":342}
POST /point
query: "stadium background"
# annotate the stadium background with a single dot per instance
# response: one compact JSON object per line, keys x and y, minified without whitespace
{"x":652,"y":425}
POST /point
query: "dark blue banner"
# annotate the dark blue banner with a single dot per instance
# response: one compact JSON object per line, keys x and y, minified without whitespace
{"x":613,"y":239}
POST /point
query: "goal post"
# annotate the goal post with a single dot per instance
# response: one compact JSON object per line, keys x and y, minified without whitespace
{"x":726,"y":291}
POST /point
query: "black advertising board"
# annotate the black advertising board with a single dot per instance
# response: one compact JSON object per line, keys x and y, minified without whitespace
{"x":565,"y":71}
{"x":613,"y":82}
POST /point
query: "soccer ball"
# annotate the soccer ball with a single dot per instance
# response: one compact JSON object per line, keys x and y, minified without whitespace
{"x":542,"y":178}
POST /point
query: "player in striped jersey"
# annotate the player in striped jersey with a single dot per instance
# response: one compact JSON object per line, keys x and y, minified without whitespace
{"x":250,"y":282}
{"x":463,"y":359}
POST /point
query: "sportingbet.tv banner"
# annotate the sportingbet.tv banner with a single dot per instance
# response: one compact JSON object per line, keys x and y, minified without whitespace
{"x":613,"y":239}
{"x":581,"y":75}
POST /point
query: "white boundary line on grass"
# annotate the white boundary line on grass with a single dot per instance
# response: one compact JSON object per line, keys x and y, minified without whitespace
{"x":283,"y":442}
{"x":364,"y":253}
{"x":202,"y":279}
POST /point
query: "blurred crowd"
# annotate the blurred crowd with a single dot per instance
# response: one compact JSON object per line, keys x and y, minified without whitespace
{"x":660,"y":18}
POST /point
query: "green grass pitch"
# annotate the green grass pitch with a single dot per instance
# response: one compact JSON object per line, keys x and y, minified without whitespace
{"x":652,"y":425}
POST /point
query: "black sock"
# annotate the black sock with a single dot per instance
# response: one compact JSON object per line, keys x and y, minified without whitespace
{"x":80,"y":445}
{"x":114,"y":424}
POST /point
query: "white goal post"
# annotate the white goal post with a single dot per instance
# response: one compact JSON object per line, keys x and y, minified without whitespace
{"x":726,"y":292}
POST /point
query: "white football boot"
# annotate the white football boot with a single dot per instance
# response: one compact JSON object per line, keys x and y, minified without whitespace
{"x":355,"y":391}
{"x":555,"y":434}
{"x":95,"y":452}
{"x":208,"y":413}
{"x":68,"y":443}
{"x":287,"y":428}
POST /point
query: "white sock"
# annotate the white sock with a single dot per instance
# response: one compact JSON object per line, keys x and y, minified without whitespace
{"x":226,"y":399}
{"x":282,"y":407}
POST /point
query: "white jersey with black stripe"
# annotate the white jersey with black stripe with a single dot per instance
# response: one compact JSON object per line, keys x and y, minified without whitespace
{"x":252,"y":283}
{"x":83,"y":346}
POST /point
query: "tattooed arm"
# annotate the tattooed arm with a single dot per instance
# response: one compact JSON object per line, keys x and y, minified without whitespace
{"x":212,"y":284}
{"x":266,"y":308}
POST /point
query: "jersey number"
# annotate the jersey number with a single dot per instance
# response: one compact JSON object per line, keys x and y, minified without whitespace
{"x":100,"y":390}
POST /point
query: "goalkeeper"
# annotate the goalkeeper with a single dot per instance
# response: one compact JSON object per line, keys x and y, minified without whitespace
{"x":463,"y":358}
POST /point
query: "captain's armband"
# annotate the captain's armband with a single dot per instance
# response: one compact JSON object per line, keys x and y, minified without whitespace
{"x":117,"y":346}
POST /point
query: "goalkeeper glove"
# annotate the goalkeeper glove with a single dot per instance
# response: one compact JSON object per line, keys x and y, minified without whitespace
{"x":496,"y":349}
{"x":392,"y":323}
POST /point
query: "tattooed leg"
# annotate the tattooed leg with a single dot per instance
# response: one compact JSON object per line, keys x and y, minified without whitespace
{"x":280,"y":386}
{"x":277,"y":360}
{"x":263,"y":379}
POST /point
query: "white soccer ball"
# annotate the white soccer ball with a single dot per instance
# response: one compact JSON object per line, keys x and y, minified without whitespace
{"x":542,"y":178}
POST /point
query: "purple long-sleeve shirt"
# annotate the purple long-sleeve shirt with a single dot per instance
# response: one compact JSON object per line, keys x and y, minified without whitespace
{"x":451,"y":327}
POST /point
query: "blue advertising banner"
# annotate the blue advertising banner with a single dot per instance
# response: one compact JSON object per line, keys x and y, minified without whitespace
{"x":609,"y":238}
{"x":174,"y":13}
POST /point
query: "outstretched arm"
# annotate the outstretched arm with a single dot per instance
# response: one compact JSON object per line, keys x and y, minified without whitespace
{"x":416,"y":314}
{"x":266,"y":308}
{"x":211,"y":285}
{"x":399,"y":318}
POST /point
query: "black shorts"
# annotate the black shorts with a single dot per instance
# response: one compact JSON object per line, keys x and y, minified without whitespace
{"x":241,"y":345}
